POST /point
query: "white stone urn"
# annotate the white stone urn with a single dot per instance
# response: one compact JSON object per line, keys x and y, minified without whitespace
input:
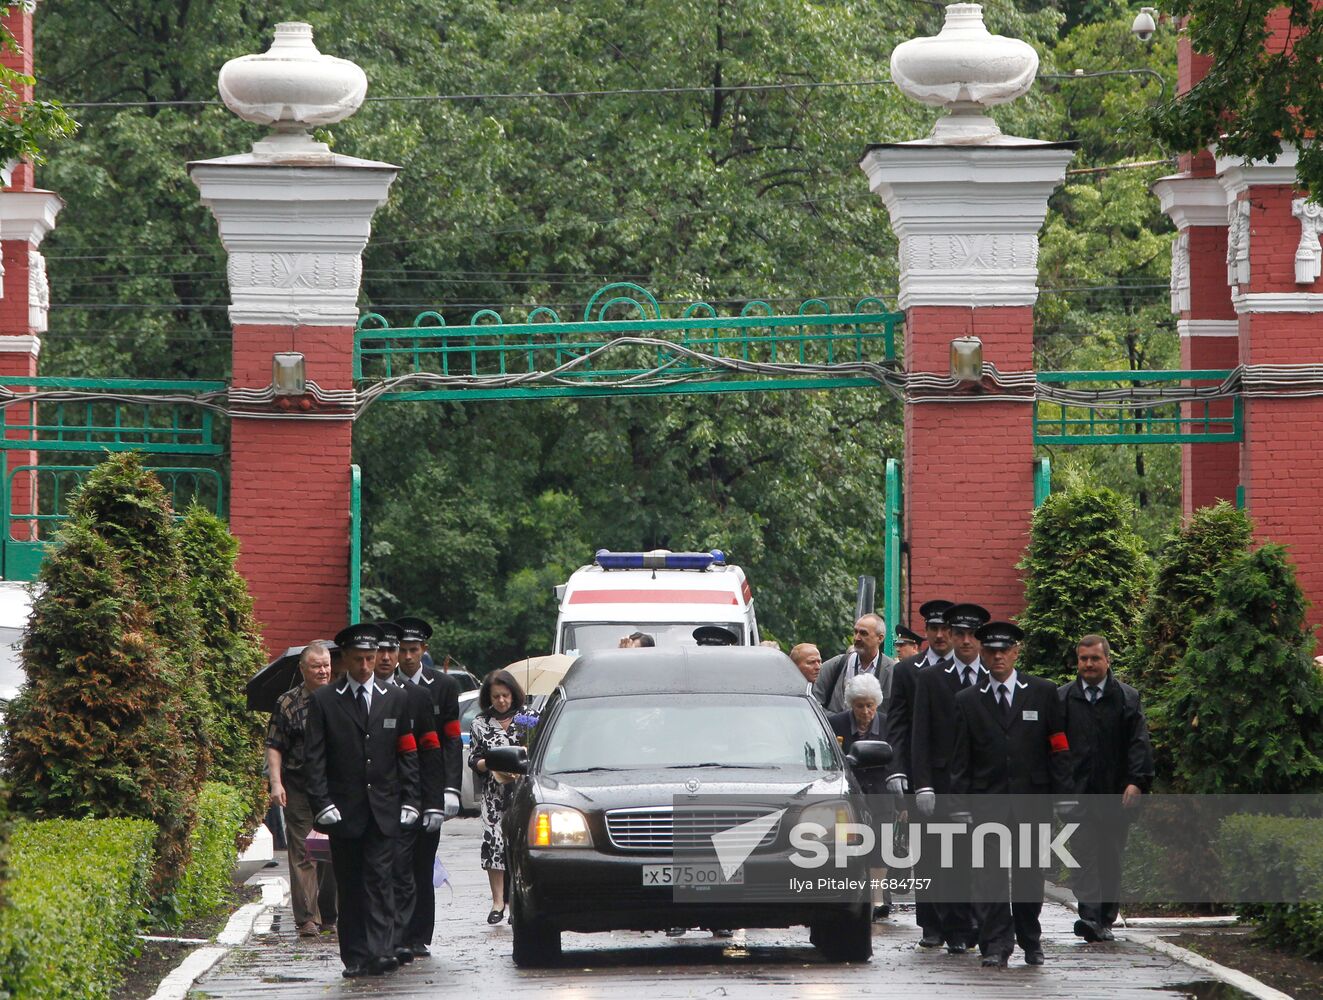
{"x":966,"y":70}
{"x":292,"y":87}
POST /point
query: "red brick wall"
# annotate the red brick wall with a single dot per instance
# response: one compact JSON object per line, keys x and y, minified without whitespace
{"x":20,"y":25}
{"x":1209,"y":472}
{"x":289,"y":491}
{"x":969,"y":487}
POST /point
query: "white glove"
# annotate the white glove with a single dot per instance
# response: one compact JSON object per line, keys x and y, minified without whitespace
{"x":896,"y":785}
{"x":408,"y":815}
{"x":451,"y":805}
{"x":328,"y":816}
{"x":432,"y":820}
{"x":926,"y":801}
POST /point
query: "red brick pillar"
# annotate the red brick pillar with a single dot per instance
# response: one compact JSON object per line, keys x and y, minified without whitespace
{"x":295,"y":227}
{"x":27,"y":214}
{"x":1274,"y":258}
{"x":967,"y":216}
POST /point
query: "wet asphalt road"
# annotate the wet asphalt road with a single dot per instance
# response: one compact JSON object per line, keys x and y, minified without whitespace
{"x":472,"y":959}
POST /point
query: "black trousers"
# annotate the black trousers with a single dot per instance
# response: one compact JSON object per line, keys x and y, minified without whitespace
{"x":927,"y":911}
{"x":365,"y":893}
{"x":1008,"y":901}
{"x":952,"y":888}
{"x":422,"y":917}
{"x":402,"y":874}
{"x":1099,"y":845}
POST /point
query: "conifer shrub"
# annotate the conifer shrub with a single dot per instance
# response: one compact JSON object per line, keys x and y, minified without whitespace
{"x":1184,"y":584}
{"x":232,"y":653}
{"x":1244,"y":710}
{"x":1086,"y":571}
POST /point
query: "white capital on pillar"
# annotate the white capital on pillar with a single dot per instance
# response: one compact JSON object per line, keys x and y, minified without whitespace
{"x":293,"y":216}
{"x":967,"y":202}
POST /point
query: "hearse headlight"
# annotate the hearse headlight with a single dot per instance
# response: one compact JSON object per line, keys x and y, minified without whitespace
{"x":828,"y":814}
{"x":559,"y":826}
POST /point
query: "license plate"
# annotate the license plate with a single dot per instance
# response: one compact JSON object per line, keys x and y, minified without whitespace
{"x":690,"y":875}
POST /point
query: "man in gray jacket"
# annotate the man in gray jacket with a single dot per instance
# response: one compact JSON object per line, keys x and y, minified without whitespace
{"x":864,"y":657}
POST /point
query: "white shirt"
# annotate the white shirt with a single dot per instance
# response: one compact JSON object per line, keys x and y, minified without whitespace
{"x":961,"y":667}
{"x":416,"y":677}
{"x":934,"y":656}
{"x":1101,"y":686}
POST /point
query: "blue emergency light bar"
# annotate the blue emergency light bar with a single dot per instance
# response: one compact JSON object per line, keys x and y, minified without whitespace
{"x":659,"y":560}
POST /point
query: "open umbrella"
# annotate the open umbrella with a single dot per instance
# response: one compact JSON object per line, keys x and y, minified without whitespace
{"x":273,"y":680}
{"x":540,"y":674}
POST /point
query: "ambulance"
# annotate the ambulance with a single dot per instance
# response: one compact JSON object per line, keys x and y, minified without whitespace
{"x":665,"y":594}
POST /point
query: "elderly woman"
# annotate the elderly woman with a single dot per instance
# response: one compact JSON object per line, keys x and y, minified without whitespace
{"x":866,"y":719}
{"x":499,"y":698}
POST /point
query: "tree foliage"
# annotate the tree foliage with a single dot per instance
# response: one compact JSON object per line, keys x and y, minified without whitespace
{"x":1245,"y":709}
{"x":1263,"y":89}
{"x":232,"y":652}
{"x":1086,"y":571}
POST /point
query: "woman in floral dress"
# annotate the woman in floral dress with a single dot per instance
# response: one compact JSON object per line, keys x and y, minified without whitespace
{"x":500,"y":699}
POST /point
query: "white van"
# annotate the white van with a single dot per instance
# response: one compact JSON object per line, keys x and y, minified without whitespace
{"x":15,"y":607}
{"x":665,"y":594}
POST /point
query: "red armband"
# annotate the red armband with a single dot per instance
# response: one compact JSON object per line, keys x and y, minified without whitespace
{"x":406,"y":744}
{"x":451,"y":729}
{"x":430,"y":741}
{"x":1060,"y":743}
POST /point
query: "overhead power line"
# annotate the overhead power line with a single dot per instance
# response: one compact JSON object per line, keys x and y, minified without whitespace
{"x":531,"y":95}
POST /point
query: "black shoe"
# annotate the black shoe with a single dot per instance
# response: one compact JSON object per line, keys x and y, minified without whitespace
{"x":419,"y":950}
{"x":354,"y":971}
{"x":1034,"y":956}
{"x":1106,"y":934}
{"x":995,"y":961}
{"x":403,"y":956}
{"x":1088,"y":930}
{"x":881,"y":912}
{"x":930,"y":939}
{"x":496,"y":916}
{"x":957,"y":948}
{"x":381,"y":965}
{"x":722,"y":932}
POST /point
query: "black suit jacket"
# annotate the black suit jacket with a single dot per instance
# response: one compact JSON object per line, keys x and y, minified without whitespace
{"x":1022,"y":756}
{"x":444,"y":693}
{"x":1109,"y":742}
{"x":933,"y":731}
{"x":900,"y":714}
{"x":365,"y":771}
{"x":431,"y":768}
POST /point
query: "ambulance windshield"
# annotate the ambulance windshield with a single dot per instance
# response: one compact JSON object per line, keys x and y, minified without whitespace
{"x":578,"y":638}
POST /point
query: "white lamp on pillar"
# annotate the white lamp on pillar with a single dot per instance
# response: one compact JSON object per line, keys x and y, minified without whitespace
{"x":967,"y":359}
{"x":287,"y":377}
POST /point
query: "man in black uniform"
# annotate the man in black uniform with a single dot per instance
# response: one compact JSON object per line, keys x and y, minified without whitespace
{"x":443,"y":695}
{"x":1113,"y":766}
{"x":429,"y":781}
{"x":361,"y":765}
{"x":900,"y":717}
{"x":908,"y":642}
{"x":1010,"y":740}
{"x":932,"y":741}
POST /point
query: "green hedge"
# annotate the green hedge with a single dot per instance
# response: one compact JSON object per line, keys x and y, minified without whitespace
{"x":221,"y":814}
{"x":1289,"y":852}
{"x":77,"y":894}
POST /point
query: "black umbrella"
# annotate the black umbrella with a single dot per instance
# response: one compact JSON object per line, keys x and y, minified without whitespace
{"x":274,"y":679}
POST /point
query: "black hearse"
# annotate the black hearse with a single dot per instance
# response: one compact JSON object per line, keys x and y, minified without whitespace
{"x":633,"y":735}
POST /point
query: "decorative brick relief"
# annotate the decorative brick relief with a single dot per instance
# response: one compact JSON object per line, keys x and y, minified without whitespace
{"x":1309,"y":254}
{"x":1180,"y":272}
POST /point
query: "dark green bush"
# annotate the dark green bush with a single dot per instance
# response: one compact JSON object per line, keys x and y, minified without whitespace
{"x":222,"y":816}
{"x":233,"y":652}
{"x":1085,"y":571}
{"x":1244,"y":711}
{"x":1289,"y":852}
{"x":1184,"y":583}
{"x":98,"y":728}
{"x":77,"y":894}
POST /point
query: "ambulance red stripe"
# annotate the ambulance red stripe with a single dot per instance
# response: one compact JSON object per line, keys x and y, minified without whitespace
{"x":653,"y":597}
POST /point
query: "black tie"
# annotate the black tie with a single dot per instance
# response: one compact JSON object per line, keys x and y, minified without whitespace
{"x":969,"y":677}
{"x":1093,"y":693}
{"x":361,"y":699}
{"x":943,"y":663}
{"x":1005,"y":697}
